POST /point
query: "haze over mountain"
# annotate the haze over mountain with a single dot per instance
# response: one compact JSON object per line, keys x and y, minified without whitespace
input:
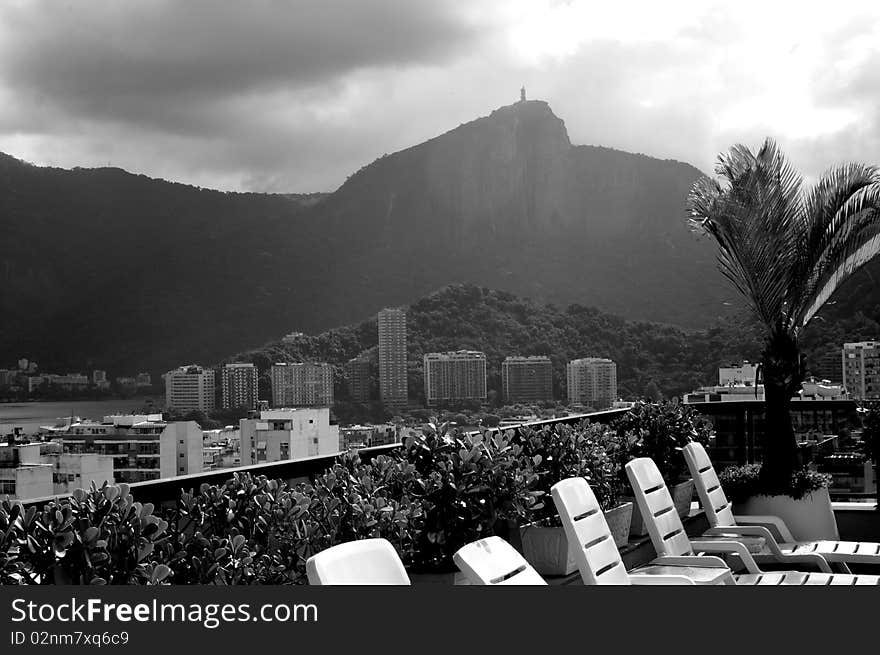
{"x":104,"y":268}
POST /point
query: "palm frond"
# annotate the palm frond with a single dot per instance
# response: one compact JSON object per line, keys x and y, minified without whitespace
{"x":751,"y":218}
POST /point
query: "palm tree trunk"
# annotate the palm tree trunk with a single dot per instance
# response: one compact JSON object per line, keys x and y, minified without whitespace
{"x":783,"y":374}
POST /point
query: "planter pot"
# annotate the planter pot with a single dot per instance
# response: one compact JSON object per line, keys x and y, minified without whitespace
{"x":619,"y":521}
{"x":682,"y":495}
{"x":546,"y":549}
{"x":808,"y":518}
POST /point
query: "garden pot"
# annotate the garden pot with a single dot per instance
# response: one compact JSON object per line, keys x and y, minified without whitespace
{"x":682,"y":494}
{"x":619,"y":520}
{"x":546,"y":549}
{"x":808,"y":518}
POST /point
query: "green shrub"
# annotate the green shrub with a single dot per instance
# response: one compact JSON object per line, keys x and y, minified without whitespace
{"x":589,"y":450}
{"x":742,"y":482}
{"x":468,"y":484}
{"x":660,"y":431}
{"x":101,"y":536}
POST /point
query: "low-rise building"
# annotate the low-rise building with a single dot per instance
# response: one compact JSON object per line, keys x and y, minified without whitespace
{"x":366,"y":436}
{"x":75,"y":470}
{"x":143,"y":446}
{"x":22,"y":474}
{"x":288,"y":434}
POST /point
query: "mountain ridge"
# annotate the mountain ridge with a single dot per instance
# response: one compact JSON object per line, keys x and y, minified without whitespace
{"x":108,"y":269}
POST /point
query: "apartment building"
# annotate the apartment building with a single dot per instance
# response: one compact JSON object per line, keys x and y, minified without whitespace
{"x":143,"y":446}
{"x":861,"y":369}
{"x":305,"y":384}
{"x":239,"y":386}
{"x":592,"y":381}
{"x":75,"y":470}
{"x":288,"y":434}
{"x":357,"y":373}
{"x":454,"y":377}
{"x":22,"y":474}
{"x":190,"y":388}
{"x":392,"y":358}
{"x":527,"y":379}
{"x":737,"y":374}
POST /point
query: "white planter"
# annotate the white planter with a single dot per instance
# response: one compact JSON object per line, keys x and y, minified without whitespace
{"x":808,"y":518}
{"x":546,"y":549}
{"x":619,"y":520}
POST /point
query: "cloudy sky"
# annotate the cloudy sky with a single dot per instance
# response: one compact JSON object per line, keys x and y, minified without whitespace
{"x":271,"y":95}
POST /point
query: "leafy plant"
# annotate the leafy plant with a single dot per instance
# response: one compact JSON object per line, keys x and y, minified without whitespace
{"x":357,"y":500}
{"x":248,"y":530}
{"x":660,"y":431}
{"x":469,"y":484}
{"x":589,"y":450}
{"x":101,"y":536}
{"x":742,"y":482}
{"x":786,"y":249}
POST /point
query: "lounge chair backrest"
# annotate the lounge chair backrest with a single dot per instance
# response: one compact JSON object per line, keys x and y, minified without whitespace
{"x":718,"y":509}
{"x":657,"y":509}
{"x":493,"y":561}
{"x":363,"y":562}
{"x":588,"y":535}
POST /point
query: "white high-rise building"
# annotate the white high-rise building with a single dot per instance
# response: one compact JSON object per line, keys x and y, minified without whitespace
{"x":239,"y":386}
{"x":861,"y":369}
{"x":592,"y":381}
{"x":392,"y":358}
{"x":190,"y":388}
{"x":454,"y":376}
{"x":302,"y":384}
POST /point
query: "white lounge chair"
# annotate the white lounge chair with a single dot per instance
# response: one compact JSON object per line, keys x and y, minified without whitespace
{"x":598,"y":558}
{"x":670,"y":539}
{"x":493,"y":561}
{"x":363,"y":562}
{"x":722,"y":522}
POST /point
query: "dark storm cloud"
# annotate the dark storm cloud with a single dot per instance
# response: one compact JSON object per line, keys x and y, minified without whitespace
{"x":294,"y":96}
{"x":154,"y":61}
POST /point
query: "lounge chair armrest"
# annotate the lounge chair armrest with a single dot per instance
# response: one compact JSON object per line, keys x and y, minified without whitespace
{"x":775,"y":521}
{"x":730,"y":547}
{"x":635,"y":578}
{"x":697,"y":561}
{"x":747,"y":531}
{"x":816,"y":559}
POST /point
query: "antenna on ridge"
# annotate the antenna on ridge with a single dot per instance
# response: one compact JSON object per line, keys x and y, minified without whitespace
{"x":522,"y":94}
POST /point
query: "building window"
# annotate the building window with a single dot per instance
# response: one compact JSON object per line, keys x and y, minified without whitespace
{"x":181,"y":455}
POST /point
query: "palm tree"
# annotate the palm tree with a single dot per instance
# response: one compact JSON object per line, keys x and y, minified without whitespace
{"x":786,"y":248}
